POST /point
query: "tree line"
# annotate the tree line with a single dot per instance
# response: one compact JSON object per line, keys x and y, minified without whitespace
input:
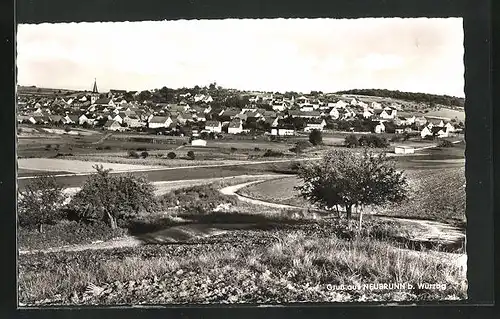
{"x":430,"y":99}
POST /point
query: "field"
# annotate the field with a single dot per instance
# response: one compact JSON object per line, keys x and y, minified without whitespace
{"x":239,"y":252}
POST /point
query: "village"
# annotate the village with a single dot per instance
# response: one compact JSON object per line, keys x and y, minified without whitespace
{"x":202,"y":116}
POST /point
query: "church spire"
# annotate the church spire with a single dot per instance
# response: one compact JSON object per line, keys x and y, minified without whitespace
{"x":94,"y":89}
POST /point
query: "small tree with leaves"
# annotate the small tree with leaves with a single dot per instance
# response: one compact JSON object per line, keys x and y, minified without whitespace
{"x":351,"y":141}
{"x":111,"y":198}
{"x":40,"y":202}
{"x":315,"y":137}
{"x":345,"y":179}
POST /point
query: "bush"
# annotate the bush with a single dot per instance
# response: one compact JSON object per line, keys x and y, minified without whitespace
{"x":445,"y":143}
{"x":315,"y":137}
{"x":373,"y":140}
{"x":113,"y":198}
{"x":133,"y":154}
{"x":144,"y":154}
{"x":233,"y":149}
{"x":171,"y":155}
{"x":256,"y":149}
{"x":107,"y":147}
{"x":196,"y":199}
{"x":429,"y":138}
{"x":47,"y":147}
{"x":98,"y":148}
{"x":351,"y":141}
{"x":301,"y":146}
{"x":67,"y":129}
{"x":271,"y":153}
{"x":40,"y":202}
{"x":190,"y":155}
{"x":141,"y":149}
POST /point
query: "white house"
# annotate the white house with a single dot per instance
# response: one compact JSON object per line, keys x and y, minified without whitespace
{"x":376,"y":106}
{"x":315,"y":125}
{"x":388,"y":114}
{"x":213,"y":126}
{"x":235,"y":127}
{"x":198,"y":142}
{"x":279,"y":106}
{"x":380,"y":128}
{"x":284,"y":130}
{"x":159,"y":121}
{"x":426,"y":131}
{"x":334,"y":113}
{"x":113,"y":126}
{"x":404,"y":150}
{"x":449,"y":127}
{"x":83,"y":119}
{"x":307,"y":108}
{"x":367,"y":114}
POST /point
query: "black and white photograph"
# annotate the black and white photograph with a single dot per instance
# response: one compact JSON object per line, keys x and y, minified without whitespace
{"x":241,"y":161}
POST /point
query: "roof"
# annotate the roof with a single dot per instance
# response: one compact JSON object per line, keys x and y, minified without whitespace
{"x":158,"y":119}
{"x":212,"y":123}
{"x":234,"y":124}
{"x":315,"y":121}
{"x":110,"y":123}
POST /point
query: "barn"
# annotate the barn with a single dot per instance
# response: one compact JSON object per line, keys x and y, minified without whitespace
{"x":404,"y":150}
{"x":198,"y":142}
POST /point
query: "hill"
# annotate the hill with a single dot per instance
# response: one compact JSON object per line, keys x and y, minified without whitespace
{"x":430,"y":99}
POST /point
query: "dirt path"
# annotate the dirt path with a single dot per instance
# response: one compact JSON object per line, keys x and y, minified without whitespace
{"x":420,"y":229}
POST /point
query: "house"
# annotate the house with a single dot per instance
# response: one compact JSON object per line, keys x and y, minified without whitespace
{"x":310,"y":115}
{"x":440,"y":132}
{"x":435,"y":122}
{"x":83,"y":119}
{"x":379,"y":128}
{"x":316,"y":124}
{"x":404,"y":150}
{"x":279,"y":106}
{"x":198,"y":142}
{"x":213,"y":126}
{"x":334,"y":113}
{"x":117,"y":117}
{"x":235,"y":127}
{"x":56,"y":119}
{"x":376,"y":106}
{"x":449,"y":127}
{"x":367,"y":114}
{"x":71,"y":119}
{"x":426,"y":131}
{"x":307,"y":108}
{"x":388,"y":114}
{"x":111,"y":125}
{"x":400,"y":121}
{"x":420,"y":121}
{"x":283,"y":130}
{"x":132,"y":121}
{"x":159,"y":121}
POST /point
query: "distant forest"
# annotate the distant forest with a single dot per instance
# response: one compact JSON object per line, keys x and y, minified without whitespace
{"x":430,"y":99}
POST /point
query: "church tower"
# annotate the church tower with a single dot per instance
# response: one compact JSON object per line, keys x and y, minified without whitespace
{"x":95,"y":93}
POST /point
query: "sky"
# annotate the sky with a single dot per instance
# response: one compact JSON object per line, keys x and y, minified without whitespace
{"x":329,"y":55}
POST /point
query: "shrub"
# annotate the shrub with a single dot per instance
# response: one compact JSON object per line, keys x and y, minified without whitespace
{"x":67,"y":129}
{"x":47,"y":147}
{"x":133,"y":154}
{"x":141,"y":149}
{"x":196,"y":199}
{"x":351,"y":141}
{"x":373,"y":140}
{"x":98,"y":148}
{"x":445,"y":143}
{"x":171,"y":155}
{"x":144,"y":154}
{"x":271,"y":153}
{"x":429,"y":138}
{"x":315,"y":137}
{"x":40,"y":202}
{"x":301,"y":146}
{"x":233,"y":149}
{"x":113,"y":198}
{"x":107,"y":147}
{"x":256,"y":149}
{"x":190,"y":155}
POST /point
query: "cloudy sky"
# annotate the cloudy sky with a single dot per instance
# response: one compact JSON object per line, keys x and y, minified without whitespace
{"x":416,"y":55}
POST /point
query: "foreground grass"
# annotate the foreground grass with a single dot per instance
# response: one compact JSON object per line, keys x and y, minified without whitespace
{"x":254,"y":266}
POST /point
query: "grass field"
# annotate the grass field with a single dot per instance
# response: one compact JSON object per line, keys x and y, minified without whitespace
{"x":436,"y":194}
{"x":293,"y":264}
